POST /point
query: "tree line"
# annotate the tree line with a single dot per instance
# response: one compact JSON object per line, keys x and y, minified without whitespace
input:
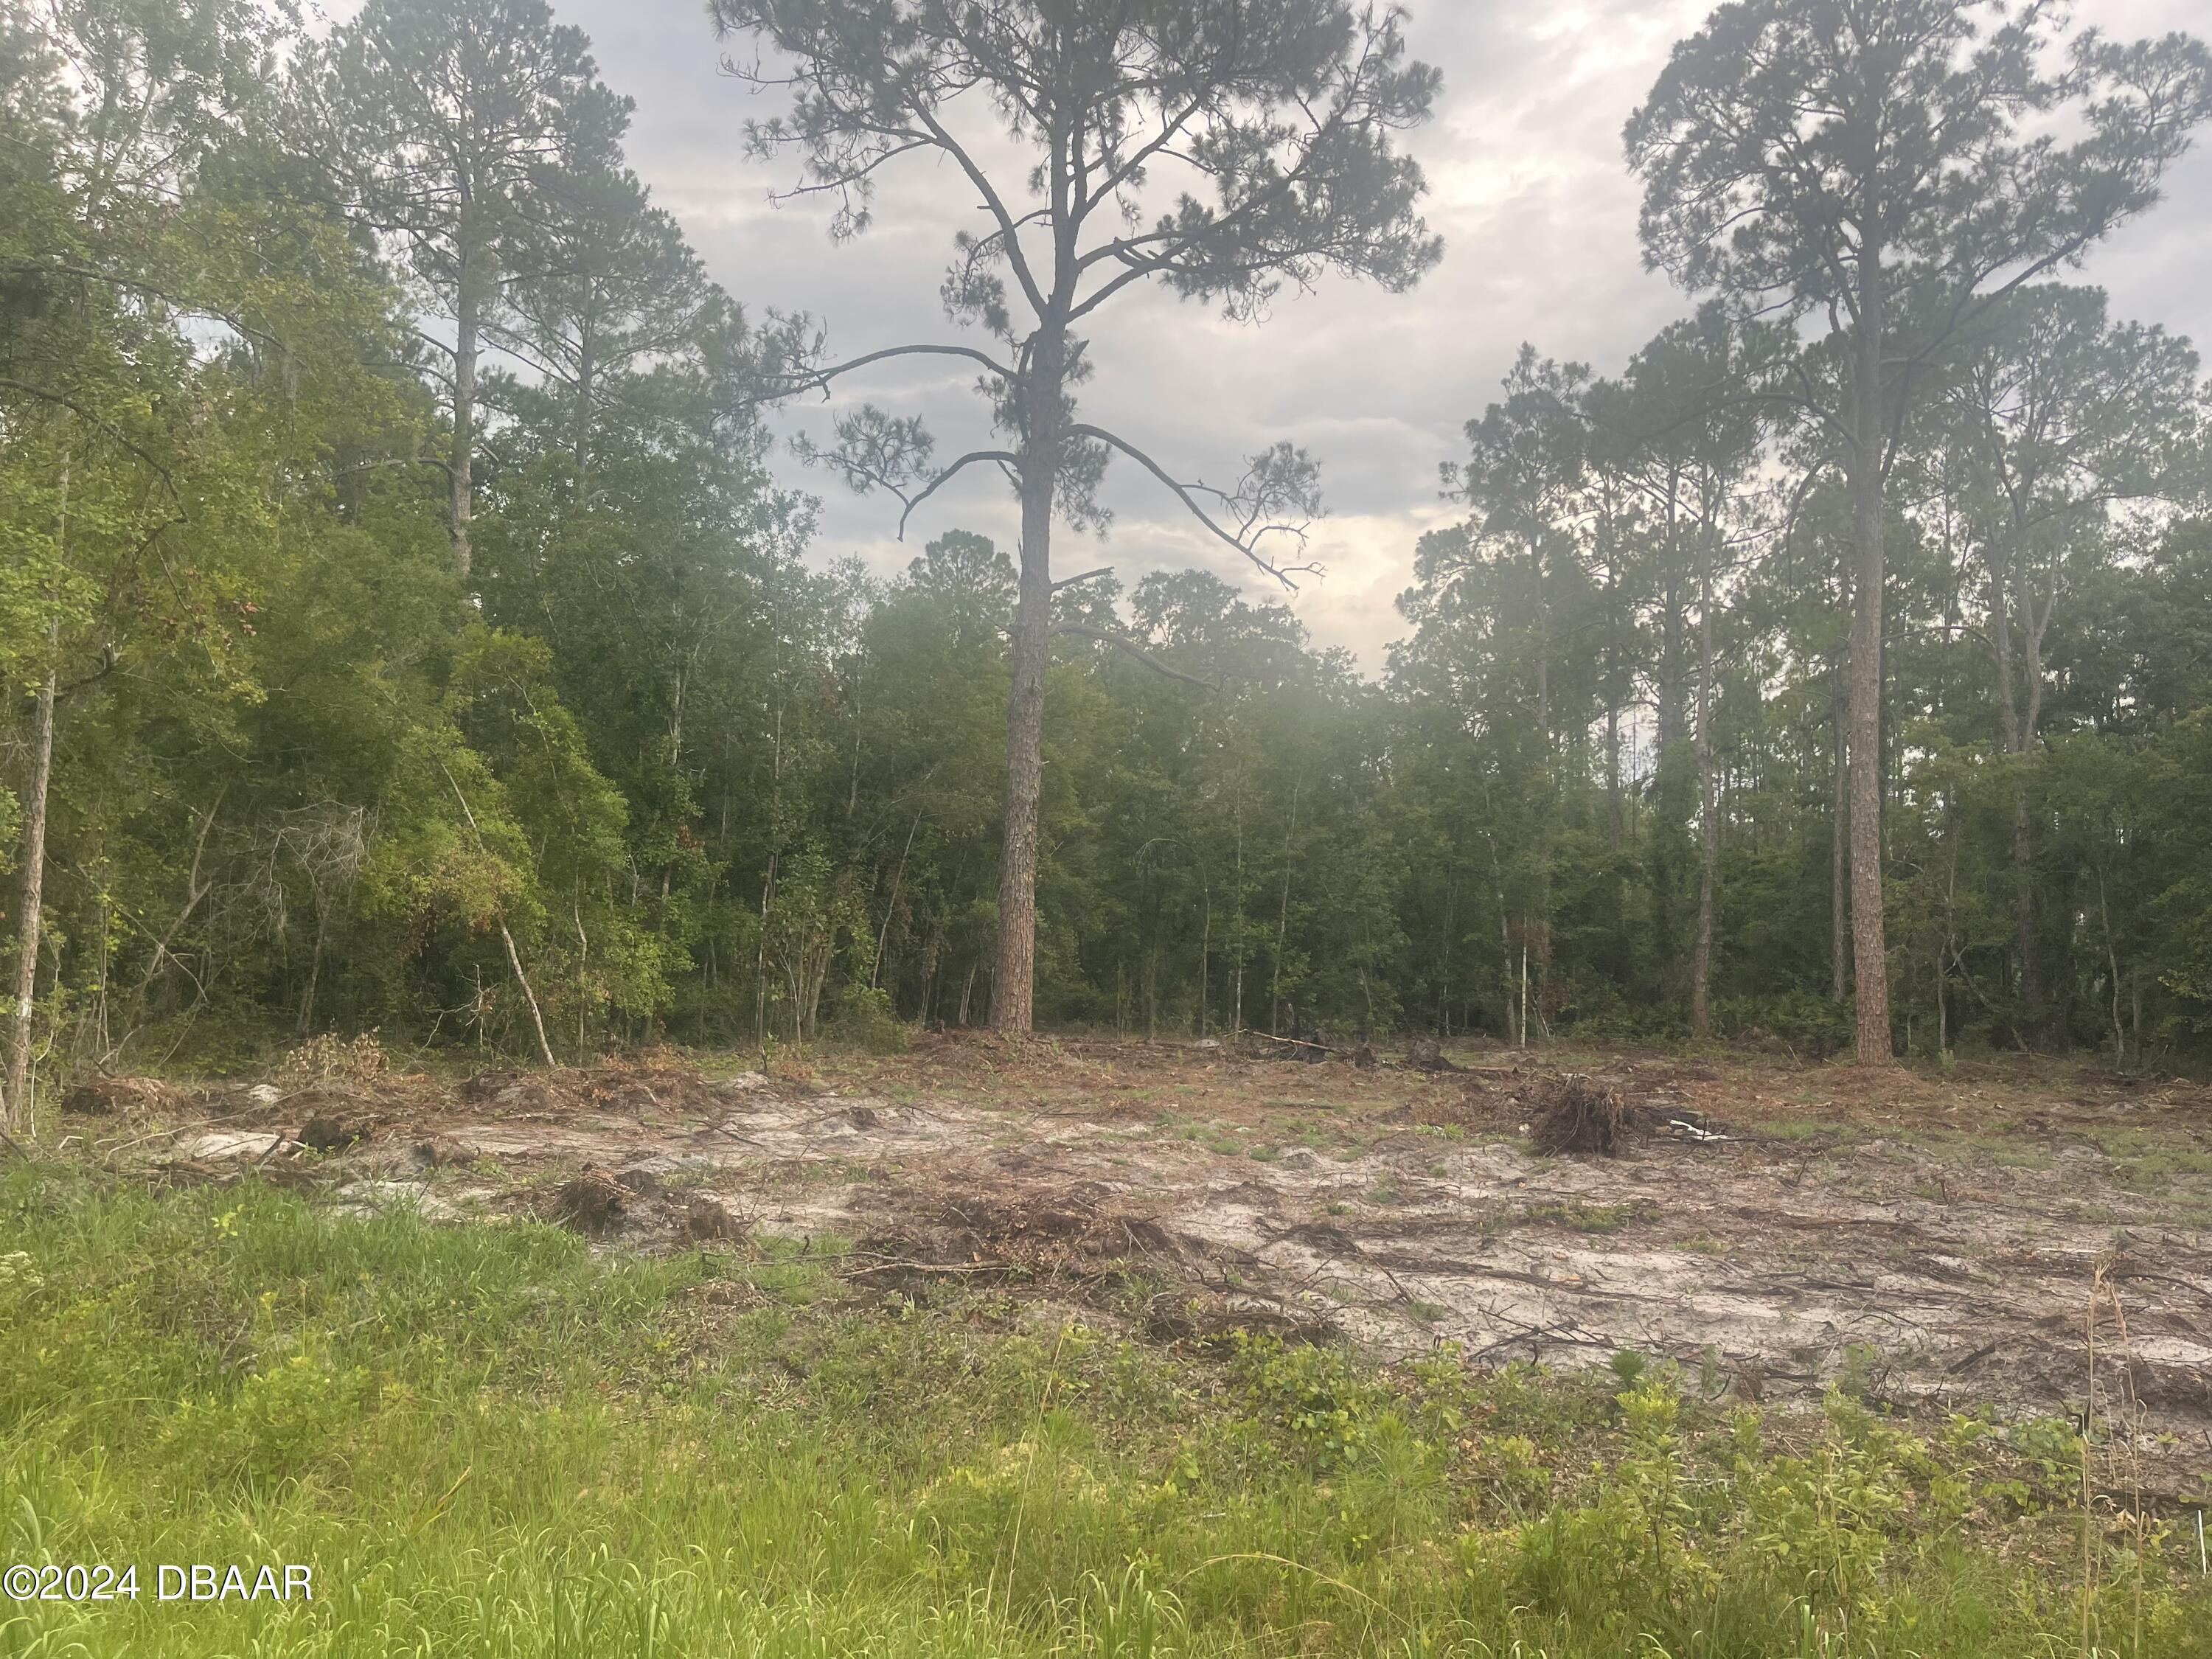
{"x":410,"y":622}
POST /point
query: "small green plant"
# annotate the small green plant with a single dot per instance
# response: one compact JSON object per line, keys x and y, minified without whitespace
{"x":1859,"y":1378}
{"x":1601,"y":1218}
{"x":276,"y":1423}
{"x":1315,"y":1394}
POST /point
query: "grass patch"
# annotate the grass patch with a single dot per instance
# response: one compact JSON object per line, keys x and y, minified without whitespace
{"x":1598,"y":1218}
{"x":491,"y":1441}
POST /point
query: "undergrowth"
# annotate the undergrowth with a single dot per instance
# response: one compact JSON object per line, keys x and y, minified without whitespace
{"x":487,"y":1440}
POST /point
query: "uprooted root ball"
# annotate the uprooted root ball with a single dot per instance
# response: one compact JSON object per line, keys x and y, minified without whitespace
{"x":1580,"y":1116}
{"x":591,"y":1203}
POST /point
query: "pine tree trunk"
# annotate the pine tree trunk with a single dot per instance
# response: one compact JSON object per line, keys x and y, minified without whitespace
{"x":1869,"y":948}
{"x":1615,"y":820}
{"x":1839,"y":843}
{"x":466,"y":326}
{"x":1548,"y":821}
{"x":1709,"y":829}
{"x":1237,"y":1015}
{"x":2013,"y":725}
{"x":587,"y":370}
{"x":1013,"y":981}
{"x":1283,"y":915}
{"x":1670,"y":630}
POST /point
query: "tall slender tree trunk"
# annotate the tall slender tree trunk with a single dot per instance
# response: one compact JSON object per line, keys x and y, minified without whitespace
{"x":1548,"y":821}
{"x":1666,"y":800}
{"x":1283,"y":914}
{"x":586,"y":371}
{"x":2031,"y":718}
{"x":1237,"y":1015}
{"x":466,"y":325}
{"x":2018,"y":705}
{"x":1205,"y":951}
{"x":15,"y":1102}
{"x":890,"y":908}
{"x":1013,"y":981}
{"x":1709,"y":829}
{"x":1670,"y":629}
{"x":15,"y":1106}
{"x":1869,"y":948}
{"x":1839,"y":841}
{"x":1616,"y":823}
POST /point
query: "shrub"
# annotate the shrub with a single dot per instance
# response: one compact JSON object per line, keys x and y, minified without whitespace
{"x":866,"y":1020}
{"x":1811,"y":1026}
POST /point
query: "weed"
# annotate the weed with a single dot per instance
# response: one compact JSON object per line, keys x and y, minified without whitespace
{"x":1585,"y":1217}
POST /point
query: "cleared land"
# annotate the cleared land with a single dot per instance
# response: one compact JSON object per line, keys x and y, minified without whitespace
{"x":1935,"y":1242}
{"x":1022,"y":1349}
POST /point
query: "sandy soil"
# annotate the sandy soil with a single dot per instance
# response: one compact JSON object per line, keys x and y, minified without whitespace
{"x":1939,"y":1241}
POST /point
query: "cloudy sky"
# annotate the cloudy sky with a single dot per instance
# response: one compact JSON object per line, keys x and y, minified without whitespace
{"x":1527,"y":186}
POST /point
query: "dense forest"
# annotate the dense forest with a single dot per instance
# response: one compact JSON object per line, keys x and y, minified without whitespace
{"x":411,"y":617}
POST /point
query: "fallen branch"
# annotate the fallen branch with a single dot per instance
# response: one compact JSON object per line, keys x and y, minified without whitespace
{"x":514,"y":956}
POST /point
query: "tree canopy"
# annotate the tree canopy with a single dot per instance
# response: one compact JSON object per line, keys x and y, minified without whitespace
{"x":410,"y":622}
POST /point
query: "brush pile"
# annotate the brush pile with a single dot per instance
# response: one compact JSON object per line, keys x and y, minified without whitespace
{"x":1576,"y":1115}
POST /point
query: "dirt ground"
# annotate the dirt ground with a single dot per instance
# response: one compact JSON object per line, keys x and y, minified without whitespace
{"x":1933,"y":1241}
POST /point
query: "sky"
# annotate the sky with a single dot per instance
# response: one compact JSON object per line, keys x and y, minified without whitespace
{"x":1526,"y":187}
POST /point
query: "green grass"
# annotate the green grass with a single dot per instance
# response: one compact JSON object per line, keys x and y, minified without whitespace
{"x":489,"y":1440}
{"x":1579,"y":1218}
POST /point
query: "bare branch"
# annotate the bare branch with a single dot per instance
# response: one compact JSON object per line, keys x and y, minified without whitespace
{"x":1004,"y":456}
{"x":1245,"y":538}
{"x":822,"y":377}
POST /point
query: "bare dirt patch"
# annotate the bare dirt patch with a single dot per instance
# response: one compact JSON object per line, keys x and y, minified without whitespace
{"x":1934,"y":1240}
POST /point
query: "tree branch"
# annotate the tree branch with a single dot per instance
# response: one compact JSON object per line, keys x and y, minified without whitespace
{"x":1006,"y":457}
{"x":1121,"y":643}
{"x":1183,"y":493}
{"x":1015,"y":257}
{"x":822,"y":377}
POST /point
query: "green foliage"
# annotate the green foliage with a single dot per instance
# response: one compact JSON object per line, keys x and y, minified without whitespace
{"x":309,"y":777}
{"x":1812,"y":1026}
{"x":866,"y":1020}
{"x":1314,"y":1393}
